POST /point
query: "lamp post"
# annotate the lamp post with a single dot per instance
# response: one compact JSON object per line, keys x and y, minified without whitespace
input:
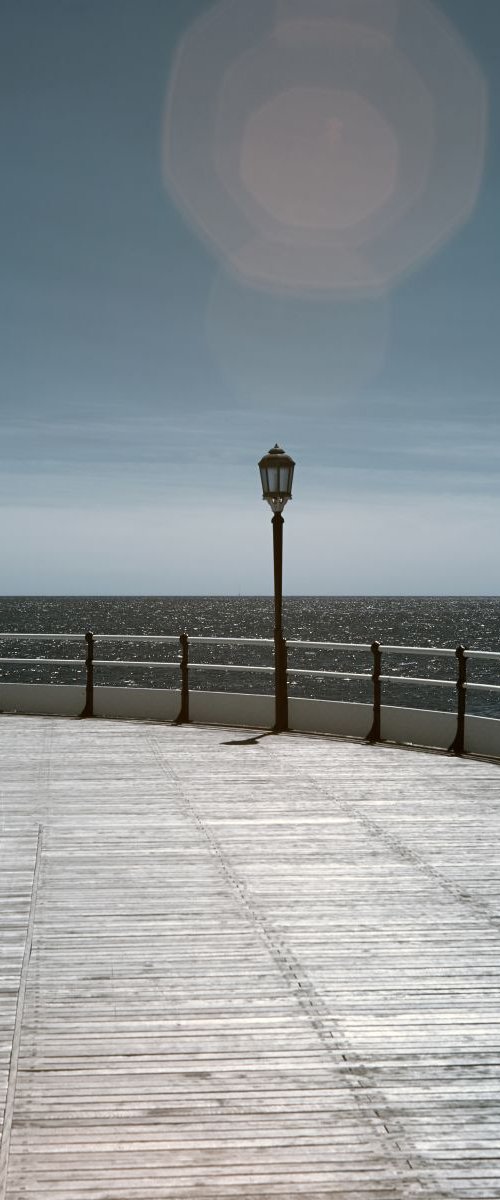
{"x":276,"y":473}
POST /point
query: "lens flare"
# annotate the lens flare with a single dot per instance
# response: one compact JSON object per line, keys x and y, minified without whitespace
{"x":324,"y":145}
{"x":319,"y":159}
{"x":380,"y":16}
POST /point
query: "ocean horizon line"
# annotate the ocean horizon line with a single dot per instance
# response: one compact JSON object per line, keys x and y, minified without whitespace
{"x":248,"y":595}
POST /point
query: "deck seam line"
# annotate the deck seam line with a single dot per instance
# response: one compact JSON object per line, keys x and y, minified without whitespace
{"x":308,"y":999}
{"x":16,"y":1040}
{"x":479,"y":909}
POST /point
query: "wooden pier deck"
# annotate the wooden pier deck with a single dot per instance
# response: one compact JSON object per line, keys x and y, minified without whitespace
{"x":235,"y":970}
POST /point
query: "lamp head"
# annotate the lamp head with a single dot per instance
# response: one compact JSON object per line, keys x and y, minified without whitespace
{"x":276,"y":473}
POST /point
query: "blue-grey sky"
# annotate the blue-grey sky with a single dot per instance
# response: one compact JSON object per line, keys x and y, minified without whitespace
{"x":145,"y":366}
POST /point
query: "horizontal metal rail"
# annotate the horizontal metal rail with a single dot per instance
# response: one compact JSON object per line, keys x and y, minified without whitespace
{"x":428,"y":681}
{"x":43,"y":637}
{"x":434,"y":651}
{"x":193,"y":666}
{"x":329,"y":645}
{"x":327,"y":674}
{"x":72,"y":662}
{"x":135,"y":662}
{"x":444,"y":651}
{"x":133,"y":637}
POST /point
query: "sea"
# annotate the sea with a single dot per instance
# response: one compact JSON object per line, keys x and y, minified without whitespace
{"x":405,"y":621}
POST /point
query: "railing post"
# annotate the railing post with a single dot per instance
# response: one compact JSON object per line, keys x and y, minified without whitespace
{"x":458,"y":743}
{"x":183,"y":717}
{"x":88,"y":711}
{"x":374,"y":734}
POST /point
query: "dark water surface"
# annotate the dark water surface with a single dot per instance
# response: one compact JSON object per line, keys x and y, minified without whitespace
{"x":401,"y":620}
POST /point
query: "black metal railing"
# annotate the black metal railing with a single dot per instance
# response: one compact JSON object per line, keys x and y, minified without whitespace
{"x":185,"y":666}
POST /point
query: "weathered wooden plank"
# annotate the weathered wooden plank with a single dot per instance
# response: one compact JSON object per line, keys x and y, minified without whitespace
{"x":256,"y":970}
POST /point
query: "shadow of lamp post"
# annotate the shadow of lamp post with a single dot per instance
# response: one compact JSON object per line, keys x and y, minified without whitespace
{"x":276,"y":472}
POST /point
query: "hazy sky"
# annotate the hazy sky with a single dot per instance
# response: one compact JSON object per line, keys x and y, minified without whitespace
{"x":183,"y":286}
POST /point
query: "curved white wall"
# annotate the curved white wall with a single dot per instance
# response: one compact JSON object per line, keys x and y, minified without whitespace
{"x":147,"y":704}
{"x":230,"y":708}
{"x":419,"y":727}
{"x":42,"y":699}
{"x":330,"y":716}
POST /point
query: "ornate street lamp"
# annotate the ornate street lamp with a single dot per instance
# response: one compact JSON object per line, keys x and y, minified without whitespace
{"x":276,"y":472}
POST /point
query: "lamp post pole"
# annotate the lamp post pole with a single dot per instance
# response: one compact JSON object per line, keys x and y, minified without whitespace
{"x":276,"y":470}
{"x":281,"y":719}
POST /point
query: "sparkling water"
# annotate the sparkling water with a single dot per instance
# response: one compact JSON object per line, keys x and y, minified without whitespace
{"x":397,"y":620}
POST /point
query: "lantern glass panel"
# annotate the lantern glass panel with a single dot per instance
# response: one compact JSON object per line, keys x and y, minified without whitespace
{"x":273,"y":474}
{"x":285,"y":481}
